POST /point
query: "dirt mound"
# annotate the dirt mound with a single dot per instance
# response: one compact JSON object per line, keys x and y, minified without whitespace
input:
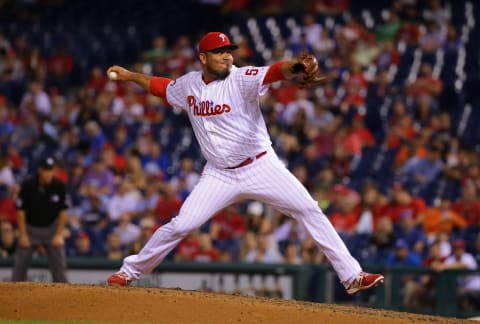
{"x":67,"y":302}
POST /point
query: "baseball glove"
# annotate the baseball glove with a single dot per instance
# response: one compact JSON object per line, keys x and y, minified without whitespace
{"x":307,"y":65}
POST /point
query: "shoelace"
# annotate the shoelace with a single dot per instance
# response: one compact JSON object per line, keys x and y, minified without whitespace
{"x":124,"y":276}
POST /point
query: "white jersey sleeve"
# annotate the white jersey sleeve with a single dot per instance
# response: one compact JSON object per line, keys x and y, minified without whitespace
{"x":250,"y":81}
{"x":176,"y":92}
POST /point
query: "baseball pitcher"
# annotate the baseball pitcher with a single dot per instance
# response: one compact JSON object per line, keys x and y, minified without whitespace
{"x":222,"y":102}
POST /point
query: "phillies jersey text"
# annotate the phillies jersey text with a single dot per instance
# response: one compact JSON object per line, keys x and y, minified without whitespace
{"x":224,"y":114}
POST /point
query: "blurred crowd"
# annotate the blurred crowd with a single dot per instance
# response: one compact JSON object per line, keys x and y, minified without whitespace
{"x":129,"y":160}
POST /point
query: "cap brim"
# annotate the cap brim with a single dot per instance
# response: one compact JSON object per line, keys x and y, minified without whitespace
{"x":231,"y":46}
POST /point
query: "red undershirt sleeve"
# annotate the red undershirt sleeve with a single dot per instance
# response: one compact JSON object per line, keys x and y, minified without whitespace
{"x":274,"y":73}
{"x":158,"y":86}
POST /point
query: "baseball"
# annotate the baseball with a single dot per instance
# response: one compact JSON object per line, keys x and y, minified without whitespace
{"x":112,"y":75}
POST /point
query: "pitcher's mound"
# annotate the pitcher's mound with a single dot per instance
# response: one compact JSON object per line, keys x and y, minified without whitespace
{"x":67,"y":302}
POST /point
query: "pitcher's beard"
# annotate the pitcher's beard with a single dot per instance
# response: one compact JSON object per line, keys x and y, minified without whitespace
{"x":219,"y":74}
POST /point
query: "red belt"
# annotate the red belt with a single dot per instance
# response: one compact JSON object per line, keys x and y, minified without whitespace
{"x":249,"y":160}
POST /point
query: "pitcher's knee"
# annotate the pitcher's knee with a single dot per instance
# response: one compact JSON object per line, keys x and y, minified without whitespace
{"x":179,"y":228}
{"x":310,"y":209}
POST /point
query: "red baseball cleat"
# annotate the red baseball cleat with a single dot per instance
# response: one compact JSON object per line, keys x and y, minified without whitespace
{"x":364,"y":281}
{"x":120,"y":279}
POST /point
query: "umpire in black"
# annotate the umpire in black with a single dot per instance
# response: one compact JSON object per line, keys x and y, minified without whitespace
{"x":41,"y":215}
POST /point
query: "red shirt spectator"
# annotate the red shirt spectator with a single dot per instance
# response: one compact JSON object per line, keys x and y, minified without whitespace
{"x":344,"y":221}
{"x":8,"y":211}
{"x":97,"y":80}
{"x":228,"y":224}
{"x":60,"y":63}
{"x":327,"y":6}
{"x":409,"y":33}
{"x":187,"y":248}
{"x":356,"y":77}
{"x":206,"y":252}
{"x":426,"y":84}
{"x":364,"y":134}
{"x":168,"y":205}
{"x":285,"y":93}
{"x":403,"y":204}
{"x":468,"y":206}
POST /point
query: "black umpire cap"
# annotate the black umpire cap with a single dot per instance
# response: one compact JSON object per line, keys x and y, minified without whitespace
{"x":47,"y":163}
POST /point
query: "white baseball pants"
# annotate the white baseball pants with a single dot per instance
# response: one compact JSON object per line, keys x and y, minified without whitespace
{"x":266,"y":180}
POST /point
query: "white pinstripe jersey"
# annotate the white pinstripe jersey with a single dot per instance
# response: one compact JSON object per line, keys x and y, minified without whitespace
{"x":225,"y":114}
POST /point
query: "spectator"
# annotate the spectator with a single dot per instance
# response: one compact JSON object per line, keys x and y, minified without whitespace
{"x":147,"y":227}
{"x":127,"y":231}
{"x":468,"y":206}
{"x":370,"y":209}
{"x":424,"y":291}
{"x":310,"y":253}
{"x":97,"y":80}
{"x":383,"y":240}
{"x":244,"y":55}
{"x":8,"y":211}
{"x":324,"y":45}
{"x":389,"y":29}
{"x":159,"y":51}
{"x":206,"y":251}
{"x":125,"y":200}
{"x":419,"y":172}
{"x":8,"y":240}
{"x":427,"y":85}
{"x":122,"y":141}
{"x":36,"y":100}
{"x":388,"y":56}
{"x":327,"y":7}
{"x":135,"y":173}
{"x":436,"y":13}
{"x":60,"y":66}
{"x":366,"y":52}
{"x":292,"y":255}
{"x":410,"y":232}
{"x":118,"y":163}
{"x":256,"y":221}
{"x":287,"y":230}
{"x":265,"y":252}
{"x":155,"y":161}
{"x":452,"y":41}
{"x":188,"y":173}
{"x":301,"y":102}
{"x":113,"y":248}
{"x":100,"y":176}
{"x":168,"y":204}
{"x":433,"y":39}
{"x":402,"y":256}
{"x":227,"y":228}
{"x":345,"y":219}
{"x":83,"y":246}
{"x":469,"y":285}
{"x":11,"y":68}
{"x":94,"y":136}
{"x":94,"y":219}
{"x":312,"y":31}
{"x":189,"y":245}
{"x":442,"y":219}
{"x":409,"y":34}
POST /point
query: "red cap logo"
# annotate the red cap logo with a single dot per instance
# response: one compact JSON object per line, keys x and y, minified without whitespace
{"x":214,"y":40}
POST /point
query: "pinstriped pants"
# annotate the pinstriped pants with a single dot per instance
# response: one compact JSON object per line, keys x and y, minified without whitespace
{"x":266,"y":180}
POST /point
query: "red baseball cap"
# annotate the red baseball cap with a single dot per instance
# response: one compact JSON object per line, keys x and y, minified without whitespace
{"x":214,"y":40}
